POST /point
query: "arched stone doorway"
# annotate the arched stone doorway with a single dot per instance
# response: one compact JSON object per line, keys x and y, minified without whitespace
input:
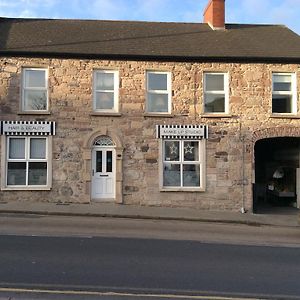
{"x":277,"y":175}
{"x":103,"y":163}
{"x":103,"y":182}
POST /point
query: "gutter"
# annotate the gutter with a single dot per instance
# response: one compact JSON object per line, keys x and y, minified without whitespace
{"x":145,"y":57}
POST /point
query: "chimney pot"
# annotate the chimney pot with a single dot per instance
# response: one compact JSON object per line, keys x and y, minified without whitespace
{"x":214,"y":14}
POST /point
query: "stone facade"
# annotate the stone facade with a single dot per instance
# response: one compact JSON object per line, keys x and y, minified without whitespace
{"x":229,"y":169}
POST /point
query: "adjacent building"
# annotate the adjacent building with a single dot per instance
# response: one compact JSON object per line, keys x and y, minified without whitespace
{"x":200,"y":115}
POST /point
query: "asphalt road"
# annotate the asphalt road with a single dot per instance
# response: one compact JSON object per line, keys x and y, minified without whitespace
{"x":110,"y":258}
{"x":135,"y":266}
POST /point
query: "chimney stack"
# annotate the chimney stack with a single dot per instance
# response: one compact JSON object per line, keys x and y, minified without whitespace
{"x":214,"y":14}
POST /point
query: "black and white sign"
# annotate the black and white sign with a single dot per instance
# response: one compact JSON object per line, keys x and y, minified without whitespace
{"x":182,"y":131}
{"x":27,"y":128}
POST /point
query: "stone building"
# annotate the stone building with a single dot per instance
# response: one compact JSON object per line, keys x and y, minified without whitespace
{"x":200,"y":115}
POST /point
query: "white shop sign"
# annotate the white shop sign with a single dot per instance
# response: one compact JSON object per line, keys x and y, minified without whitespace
{"x":182,"y":131}
{"x":27,"y":128}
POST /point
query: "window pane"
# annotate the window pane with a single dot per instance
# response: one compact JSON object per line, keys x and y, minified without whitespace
{"x":282,"y":86}
{"x":104,"y":81}
{"x":215,"y":103}
{"x":171,"y":175}
{"x":191,"y":151}
{"x":157,"y":102}
{"x":104,"y":100}
{"x":35,"y":100}
{"x":214,"y":82}
{"x":157,"y":81}
{"x":282,"y":77}
{"x":282,"y":82}
{"x":16,"y":148}
{"x":171,"y":151}
{"x":38,"y":148}
{"x":16,"y":173}
{"x":35,"y":78}
{"x":37,"y":173}
{"x":98,"y":161}
{"x":191,"y":175}
{"x":109,"y":161}
{"x":282,"y":104}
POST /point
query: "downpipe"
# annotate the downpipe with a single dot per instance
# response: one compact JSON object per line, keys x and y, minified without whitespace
{"x":242,"y":139}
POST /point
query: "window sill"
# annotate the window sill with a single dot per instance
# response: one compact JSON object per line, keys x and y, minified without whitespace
{"x":26,"y":189}
{"x":34,"y":113}
{"x":285,"y":116}
{"x":216,"y":115}
{"x":106,"y":114}
{"x":159,"y":115}
{"x":187,"y":189}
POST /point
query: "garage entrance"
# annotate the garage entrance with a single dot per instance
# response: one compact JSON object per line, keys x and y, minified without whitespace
{"x":277,"y":175}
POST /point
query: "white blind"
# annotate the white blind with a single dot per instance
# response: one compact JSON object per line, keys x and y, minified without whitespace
{"x":37,"y":148}
{"x":16,"y":148}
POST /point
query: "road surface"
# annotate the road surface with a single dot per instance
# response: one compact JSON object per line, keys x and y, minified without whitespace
{"x":185,"y":260}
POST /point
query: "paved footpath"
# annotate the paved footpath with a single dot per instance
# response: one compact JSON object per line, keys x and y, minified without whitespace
{"x":143,"y":212}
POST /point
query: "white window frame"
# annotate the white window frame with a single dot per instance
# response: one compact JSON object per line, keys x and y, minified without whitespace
{"x":25,"y":88}
{"x":27,"y":160}
{"x":292,"y":93}
{"x":168,"y":92}
{"x":115,"y":108}
{"x":225,"y":91}
{"x":201,"y":162}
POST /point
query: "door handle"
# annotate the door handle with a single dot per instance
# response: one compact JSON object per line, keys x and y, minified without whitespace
{"x":93,"y":172}
{"x":103,"y":175}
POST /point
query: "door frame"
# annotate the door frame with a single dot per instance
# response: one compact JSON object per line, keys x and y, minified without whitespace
{"x":93,"y":161}
{"x":89,"y":143}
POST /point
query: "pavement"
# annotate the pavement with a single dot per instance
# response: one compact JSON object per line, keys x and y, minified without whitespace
{"x":283,"y":217}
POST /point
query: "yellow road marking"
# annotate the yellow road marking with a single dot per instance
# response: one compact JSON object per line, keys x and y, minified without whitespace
{"x":137,"y":295}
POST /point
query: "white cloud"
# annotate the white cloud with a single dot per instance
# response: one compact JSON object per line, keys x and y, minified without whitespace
{"x":169,"y":10}
{"x":269,"y":11}
{"x":151,"y":8}
{"x":37,"y":3}
{"x":5,"y":4}
{"x":105,"y":9}
{"x":27,"y":14}
{"x":26,"y":8}
{"x":255,"y":7}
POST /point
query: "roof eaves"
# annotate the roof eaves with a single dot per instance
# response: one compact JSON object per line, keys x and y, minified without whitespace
{"x":162,"y":58}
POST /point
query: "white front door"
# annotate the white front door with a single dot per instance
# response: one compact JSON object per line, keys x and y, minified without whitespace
{"x":103,"y":173}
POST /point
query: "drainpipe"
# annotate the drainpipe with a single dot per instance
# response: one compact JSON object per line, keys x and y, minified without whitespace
{"x":243,"y":210}
{"x":242,"y":139}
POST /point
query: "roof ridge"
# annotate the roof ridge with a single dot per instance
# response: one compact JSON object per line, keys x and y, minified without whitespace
{"x":97,"y":20}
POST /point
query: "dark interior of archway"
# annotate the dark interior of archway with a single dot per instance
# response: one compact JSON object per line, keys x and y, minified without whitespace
{"x":276,"y":163}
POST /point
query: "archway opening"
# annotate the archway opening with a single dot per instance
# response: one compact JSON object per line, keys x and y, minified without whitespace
{"x":277,"y":175}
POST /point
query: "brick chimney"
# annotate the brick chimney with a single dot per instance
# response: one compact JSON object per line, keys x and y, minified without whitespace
{"x":214,"y":14}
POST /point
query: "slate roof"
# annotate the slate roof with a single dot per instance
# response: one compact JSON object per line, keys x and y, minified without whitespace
{"x":147,"y":40}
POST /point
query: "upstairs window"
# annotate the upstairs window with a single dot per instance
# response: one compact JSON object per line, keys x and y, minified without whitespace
{"x":216,"y":93}
{"x":106,"y":91}
{"x":158,"y":92}
{"x":284,"y":97}
{"x":35,"y":89}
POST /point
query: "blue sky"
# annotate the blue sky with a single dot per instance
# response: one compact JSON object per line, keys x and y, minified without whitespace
{"x":285,"y":12}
